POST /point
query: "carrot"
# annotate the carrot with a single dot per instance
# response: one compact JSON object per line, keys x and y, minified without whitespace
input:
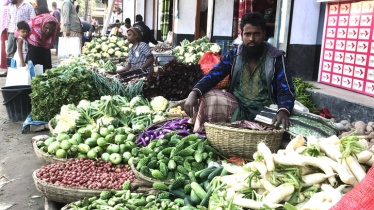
{"x":268,"y":157}
{"x":356,"y":169}
{"x":344,"y":175}
{"x":279,"y":193}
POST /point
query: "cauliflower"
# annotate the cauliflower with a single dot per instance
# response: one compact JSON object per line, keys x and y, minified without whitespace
{"x":98,"y":55}
{"x":187,"y":55}
{"x":118,"y":53}
{"x":84,"y":50}
{"x":191,"y":49}
{"x":158,"y":118}
{"x":121,"y":43}
{"x":93,"y":51}
{"x":111,"y":51}
{"x":176,"y":50}
{"x":98,"y":47}
{"x":181,"y":58}
{"x":137,"y":101}
{"x":124,"y":49}
{"x":66,"y":119}
{"x":104,"y":47}
{"x":142,"y":110}
{"x":106,"y":120}
{"x":68,"y":107}
{"x":111,"y":45}
{"x":113,"y":39}
{"x":125,"y":54}
{"x":215,"y":48}
{"x":104,"y":38}
{"x":181,"y":51}
{"x":105,"y":55}
{"x":159,"y":103}
{"x":83,"y":104}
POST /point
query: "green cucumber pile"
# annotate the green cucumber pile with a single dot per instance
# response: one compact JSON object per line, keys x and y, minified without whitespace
{"x":174,"y":156}
{"x":125,"y":200}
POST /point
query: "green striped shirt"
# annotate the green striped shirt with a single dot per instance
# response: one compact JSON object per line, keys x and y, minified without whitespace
{"x":69,"y":18}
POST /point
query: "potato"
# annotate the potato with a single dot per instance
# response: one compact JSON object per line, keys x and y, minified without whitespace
{"x":369,"y":129}
{"x":344,"y":134}
{"x":347,"y":128}
{"x":345,"y":122}
{"x":360,"y":124}
{"x":371,"y":124}
{"x":361,"y":130}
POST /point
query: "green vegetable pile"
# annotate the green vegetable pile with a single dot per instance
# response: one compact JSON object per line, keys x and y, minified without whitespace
{"x":124,"y":200}
{"x":110,"y":67}
{"x":173,"y":157}
{"x":60,"y":86}
{"x":301,"y":94}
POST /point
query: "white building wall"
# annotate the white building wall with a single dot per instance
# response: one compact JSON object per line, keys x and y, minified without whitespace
{"x":223,"y":16}
{"x":128,"y":10}
{"x":185,"y":24}
{"x":149,"y":13}
{"x":139,"y":7}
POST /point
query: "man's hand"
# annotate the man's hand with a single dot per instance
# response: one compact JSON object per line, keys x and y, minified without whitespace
{"x":68,"y":33}
{"x":191,"y":104}
{"x":282,"y":118}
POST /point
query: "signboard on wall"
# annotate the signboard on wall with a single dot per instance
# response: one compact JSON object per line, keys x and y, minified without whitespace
{"x":347,"y":58}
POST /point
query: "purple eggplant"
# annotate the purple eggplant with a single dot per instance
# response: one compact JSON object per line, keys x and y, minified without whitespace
{"x":201,"y":135}
{"x":183,"y":133}
{"x":165,"y":131}
{"x":184,"y":120}
{"x":154,"y":127}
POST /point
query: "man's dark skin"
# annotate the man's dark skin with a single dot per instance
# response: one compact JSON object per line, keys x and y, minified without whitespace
{"x":253,"y":36}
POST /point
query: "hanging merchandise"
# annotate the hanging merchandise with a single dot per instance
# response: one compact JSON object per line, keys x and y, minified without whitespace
{"x":347,"y":57}
{"x":165,"y":19}
{"x":176,"y":9}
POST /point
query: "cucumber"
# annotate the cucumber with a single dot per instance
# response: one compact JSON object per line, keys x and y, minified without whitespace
{"x":215,"y":173}
{"x":224,"y":173}
{"x":178,"y":193}
{"x":198,"y":190}
{"x":205,"y":201}
{"x":195,"y":200}
{"x":180,"y":201}
{"x":205,"y":174}
{"x":205,"y":185}
{"x":187,"y":201}
{"x":197,"y":174}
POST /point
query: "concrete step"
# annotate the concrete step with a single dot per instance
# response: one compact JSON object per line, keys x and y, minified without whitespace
{"x":343,"y":104}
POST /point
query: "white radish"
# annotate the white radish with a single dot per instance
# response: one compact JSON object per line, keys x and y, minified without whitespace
{"x":331,"y":194}
{"x":364,"y":156}
{"x":363,"y":168}
{"x":232,"y":180}
{"x":300,"y":205}
{"x":251,"y":166}
{"x":300,"y":149}
{"x":234,"y":169}
{"x":238,"y":187}
{"x":342,"y":187}
{"x":230,"y":195}
{"x":356,"y":169}
{"x":279,"y":193}
{"x":255,"y":184}
{"x":312,"y":140}
{"x":370,"y":162}
{"x":301,"y":197}
{"x":261,"y":191}
{"x":326,"y":148}
{"x":344,"y":175}
{"x":315,"y":202}
{"x":249,"y":203}
{"x":287,"y":160}
{"x":261,"y":167}
{"x":296,"y":142}
{"x":268,"y":156}
{"x":347,"y":189}
{"x":304,"y":170}
{"x":267,"y":185}
{"x":287,"y":198}
{"x":363,"y":143}
{"x":333,"y":139}
{"x":312,"y":161}
{"x":281,"y":152}
{"x":317,"y":178}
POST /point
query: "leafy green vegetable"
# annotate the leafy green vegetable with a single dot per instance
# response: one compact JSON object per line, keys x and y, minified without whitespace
{"x":301,"y":94}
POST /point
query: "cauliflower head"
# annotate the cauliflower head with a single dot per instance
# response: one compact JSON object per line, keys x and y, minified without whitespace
{"x":113,"y":39}
{"x":111,"y":51}
{"x":105,"y":55}
{"x":142,"y":110}
{"x":159,"y":103}
{"x":104,"y":47}
{"x":125,"y":54}
{"x":121,"y":43}
{"x":215,"y":48}
{"x":118,"y":53}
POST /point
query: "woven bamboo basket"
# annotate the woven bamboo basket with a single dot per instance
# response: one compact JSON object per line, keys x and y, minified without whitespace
{"x":240,"y":142}
{"x":140,"y":176}
{"x":50,"y":126}
{"x":45,"y":157}
{"x":179,"y":103}
{"x":63,"y":194}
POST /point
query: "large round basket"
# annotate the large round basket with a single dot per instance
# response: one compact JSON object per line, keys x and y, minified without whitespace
{"x":63,"y":194}
{"x":140,"y":176}
{"x":179,"y":103}
{"x":240,"y":142}
{"x":45,"y":157}
{"x":50,"y":126}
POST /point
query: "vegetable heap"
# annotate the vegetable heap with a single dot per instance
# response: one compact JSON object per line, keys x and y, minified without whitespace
{"x":110,"y":67}
{"x":60,"y":86}
{"x":174,"y":156}
{"x":104,"y":47}
{"x":85,"y":173}
{"x":299,"y":175}
{"x":301,"y":94}
{"x":124,"y":199}
{"x":174,"y":81}
{"x":192,"y":52}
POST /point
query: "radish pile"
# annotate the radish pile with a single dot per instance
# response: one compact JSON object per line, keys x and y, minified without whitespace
{"x":86,"y":173}
{"x":314,"y":176}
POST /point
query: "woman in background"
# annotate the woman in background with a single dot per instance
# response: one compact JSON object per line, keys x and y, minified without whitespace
{"x":3,"y":34}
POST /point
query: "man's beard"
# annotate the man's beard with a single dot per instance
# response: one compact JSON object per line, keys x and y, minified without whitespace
{"x":254,"y":52}
{"x":14,"y":1}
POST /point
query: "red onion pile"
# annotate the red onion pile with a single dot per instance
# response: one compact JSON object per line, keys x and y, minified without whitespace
{"x":86,"y":173}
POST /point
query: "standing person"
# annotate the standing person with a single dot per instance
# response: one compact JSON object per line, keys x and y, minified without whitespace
{"x":140,"y":55}
{"x":87,"y":27}
{"x":124,"y":28}
{"x":43,"y":10}
{"x":3,"y":34}
{"x":44,"y":30}
{"x":148,"y":37}
{"x":70,"y":23}
{"x":18,"y":11}
{"x":57,"y":14}
{"x":259,"y":76}
{"x":23,"y":30}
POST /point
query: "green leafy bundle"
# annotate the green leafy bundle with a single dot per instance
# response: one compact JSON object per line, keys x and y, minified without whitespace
{"x":58,"y":87}
{"x":301,"y":94}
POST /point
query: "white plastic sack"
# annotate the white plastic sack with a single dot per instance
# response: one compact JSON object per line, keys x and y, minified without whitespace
{"x":68,"y":46}
{"x":20,"y":76}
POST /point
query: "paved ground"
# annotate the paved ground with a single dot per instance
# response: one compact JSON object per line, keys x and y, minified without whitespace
{"x":17,"y":163}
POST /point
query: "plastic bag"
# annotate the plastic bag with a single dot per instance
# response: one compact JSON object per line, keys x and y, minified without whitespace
{"x":68,"y":46}
{"x":29,"y":122}
{"x":300,"y":107}
{"x":207,"y":62}
{"x":19,"y":76}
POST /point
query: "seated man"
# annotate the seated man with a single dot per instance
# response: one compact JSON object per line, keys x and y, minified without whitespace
{"x":140,"y":55}
{"x":259,"y":76}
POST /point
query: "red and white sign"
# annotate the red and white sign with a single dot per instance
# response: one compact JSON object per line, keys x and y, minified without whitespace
{"x":348,"y":47}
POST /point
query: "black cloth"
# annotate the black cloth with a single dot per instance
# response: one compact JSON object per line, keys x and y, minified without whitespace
{"x":148,"y":37}
{"x":40,"y":55}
